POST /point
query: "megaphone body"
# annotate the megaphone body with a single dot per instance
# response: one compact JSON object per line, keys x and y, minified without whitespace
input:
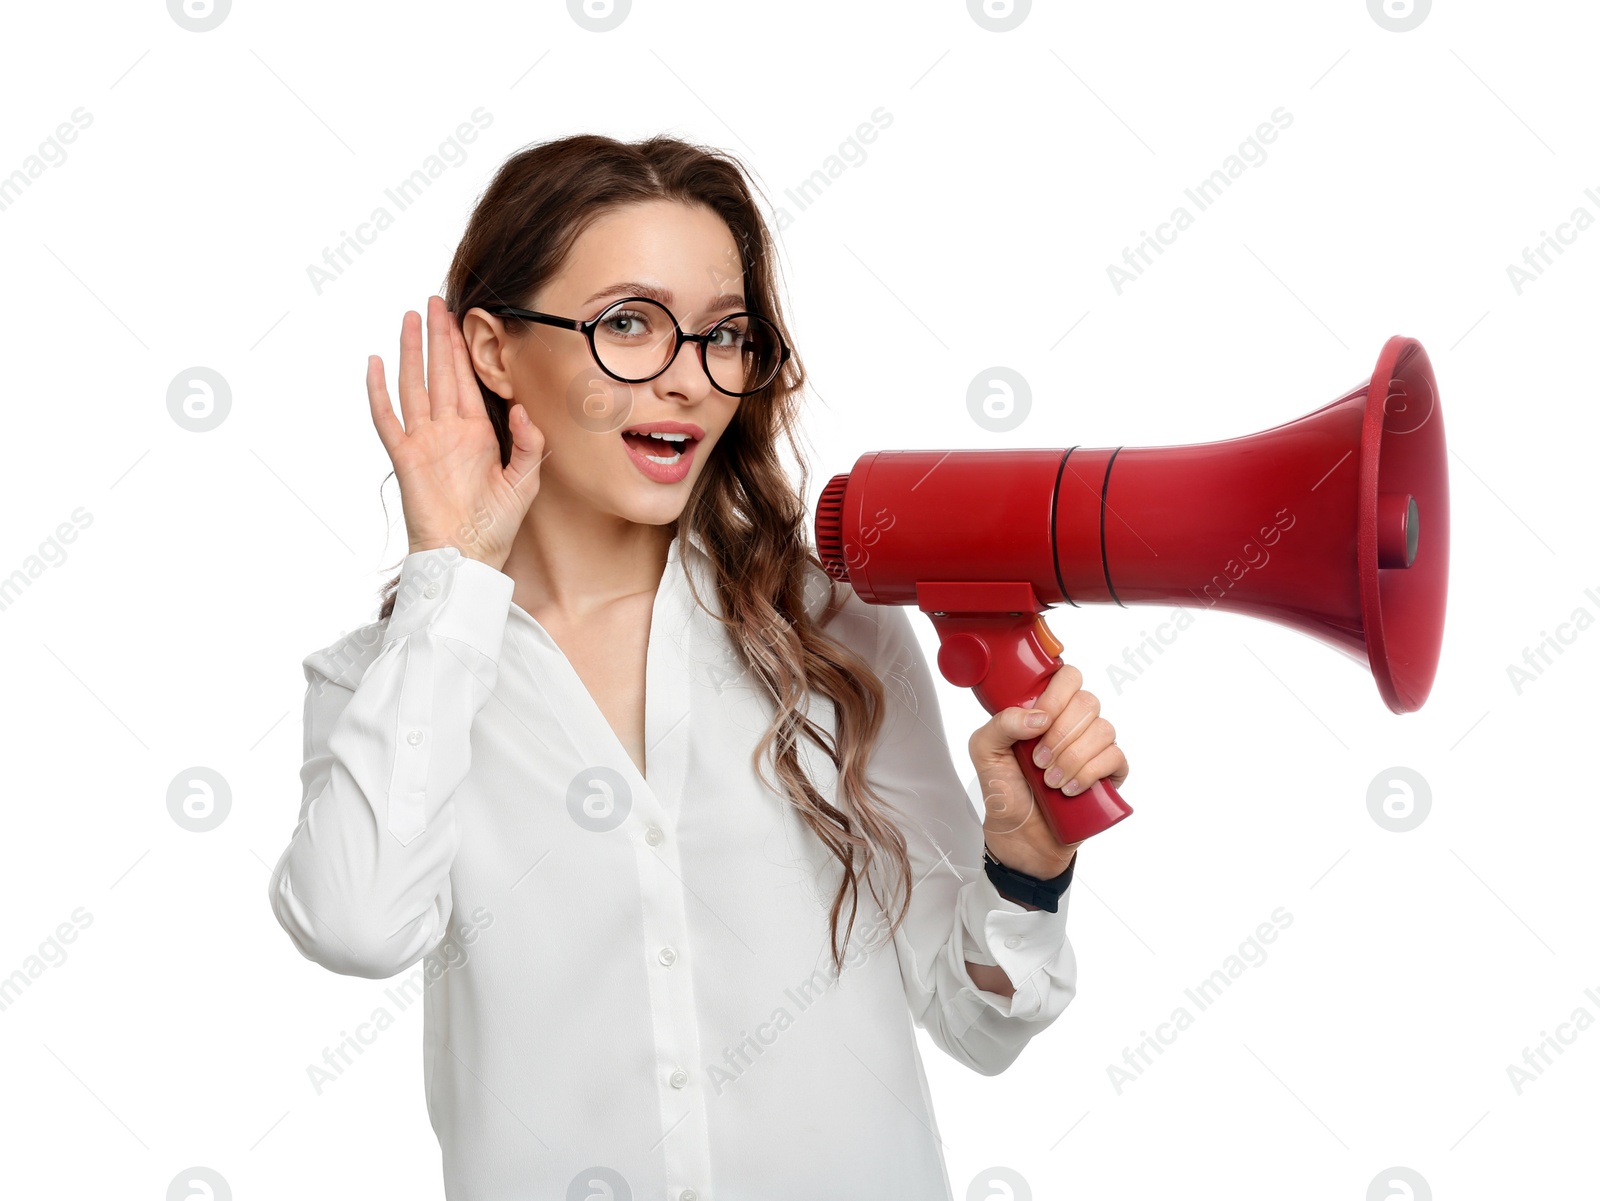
{"x":1336,"y":524}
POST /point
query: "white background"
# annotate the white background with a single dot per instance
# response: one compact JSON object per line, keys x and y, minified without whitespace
{"x":976,"y":232}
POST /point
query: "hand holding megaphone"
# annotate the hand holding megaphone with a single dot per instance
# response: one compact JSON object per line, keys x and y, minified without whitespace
{"x":1078,"y":748}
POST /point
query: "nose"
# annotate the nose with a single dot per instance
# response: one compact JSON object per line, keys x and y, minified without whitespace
{"x":687,"y":379}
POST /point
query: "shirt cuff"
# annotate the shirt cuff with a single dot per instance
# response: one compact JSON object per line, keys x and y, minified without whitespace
{"x":454,"y":596}
{"x":998,"y":932}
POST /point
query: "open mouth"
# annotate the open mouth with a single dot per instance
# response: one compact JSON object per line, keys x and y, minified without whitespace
{"x":662,"y":448}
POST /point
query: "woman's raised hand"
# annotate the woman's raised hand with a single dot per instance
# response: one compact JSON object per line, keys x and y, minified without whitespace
{"x":452,"y":488}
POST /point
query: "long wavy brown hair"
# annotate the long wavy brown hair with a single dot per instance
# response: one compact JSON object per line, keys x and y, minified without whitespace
{"x":744,"y":506}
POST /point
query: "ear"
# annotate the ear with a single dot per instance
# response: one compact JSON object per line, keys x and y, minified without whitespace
{"x":490,"y":345}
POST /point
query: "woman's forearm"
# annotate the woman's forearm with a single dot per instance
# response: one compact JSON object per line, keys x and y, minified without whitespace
{"x":990,"y":979}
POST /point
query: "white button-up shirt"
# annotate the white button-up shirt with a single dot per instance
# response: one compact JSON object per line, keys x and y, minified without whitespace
{"x":626,"y":977}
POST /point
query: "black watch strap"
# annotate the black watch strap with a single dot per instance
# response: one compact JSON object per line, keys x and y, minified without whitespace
{"x":1026,"y":889}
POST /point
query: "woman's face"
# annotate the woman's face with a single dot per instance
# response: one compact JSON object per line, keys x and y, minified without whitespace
{"x":681,"y":255}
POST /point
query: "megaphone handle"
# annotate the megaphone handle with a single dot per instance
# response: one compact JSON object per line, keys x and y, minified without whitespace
{"x":1070,"y":818}
{"x":1008,"y":659}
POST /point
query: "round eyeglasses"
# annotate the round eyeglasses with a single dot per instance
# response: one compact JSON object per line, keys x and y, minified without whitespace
{"x":636,"y":339}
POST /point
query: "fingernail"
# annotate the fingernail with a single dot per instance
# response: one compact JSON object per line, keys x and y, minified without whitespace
{"x":1037,"y":718}
{"x":1041,"y":755}
{"x":1071,"y":787}
{"x":1053,"y":776}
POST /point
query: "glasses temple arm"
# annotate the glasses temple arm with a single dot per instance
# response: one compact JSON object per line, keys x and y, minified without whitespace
{"x":506,"y":310}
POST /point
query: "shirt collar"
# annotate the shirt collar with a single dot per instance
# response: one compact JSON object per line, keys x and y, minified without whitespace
{"x":695,"y":540}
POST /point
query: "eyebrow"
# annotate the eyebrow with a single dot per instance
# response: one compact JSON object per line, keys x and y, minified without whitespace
{"x":663,"y":296}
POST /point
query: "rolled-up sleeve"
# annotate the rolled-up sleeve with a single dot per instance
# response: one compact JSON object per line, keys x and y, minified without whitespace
{"x":363,"y":887}
{"x":956,"y":914}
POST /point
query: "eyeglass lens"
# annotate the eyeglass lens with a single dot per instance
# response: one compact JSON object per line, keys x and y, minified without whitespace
{"x":634,"y":340}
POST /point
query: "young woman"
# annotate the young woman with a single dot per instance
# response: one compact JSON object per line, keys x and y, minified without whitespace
{"x":541,"y":777}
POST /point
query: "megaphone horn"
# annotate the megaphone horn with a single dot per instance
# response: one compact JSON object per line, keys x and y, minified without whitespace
{"x":1336,"y":524}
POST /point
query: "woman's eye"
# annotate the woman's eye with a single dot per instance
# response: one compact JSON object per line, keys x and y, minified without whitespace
{"x":627,"y":324}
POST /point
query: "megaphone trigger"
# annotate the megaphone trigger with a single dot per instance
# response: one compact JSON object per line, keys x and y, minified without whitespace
{"x":1007,"y":658}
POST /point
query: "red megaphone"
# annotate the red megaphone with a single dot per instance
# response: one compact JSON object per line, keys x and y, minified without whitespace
{"x":1337,"y":524}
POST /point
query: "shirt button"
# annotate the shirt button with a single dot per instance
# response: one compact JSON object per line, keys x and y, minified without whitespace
{"x":1014,"y":941}
{"x":414,"y":737}
{"x":432,"y":590}
{"x":688,"y":1194}
{"x":679,"y":1078}
{"x":667,"y":956}
{"x":653,"y":835}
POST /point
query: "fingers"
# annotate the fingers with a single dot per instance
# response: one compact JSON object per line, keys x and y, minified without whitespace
{"x":390,"y":432}
{"x":1060,"y":690}
{"x":1081,"y":708}
{"x":413,"y":396}
{"x":469,"y":397}
{"x":1110,"y":765}
{"x":1092,"y":756}
{"x":527,"y":450}
{"x":992,"y":741}
{"x":1078,"y":747}
{"x":441,"y":362}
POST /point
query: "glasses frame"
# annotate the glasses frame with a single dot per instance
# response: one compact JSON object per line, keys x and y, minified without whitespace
{"x":587,"y":328}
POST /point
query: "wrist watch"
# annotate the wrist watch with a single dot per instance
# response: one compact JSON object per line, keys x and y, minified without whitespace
{"x":1026,"y":889}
